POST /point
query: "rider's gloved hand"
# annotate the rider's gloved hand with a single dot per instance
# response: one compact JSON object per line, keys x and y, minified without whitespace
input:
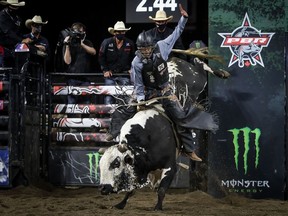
{"x":141,"y":106}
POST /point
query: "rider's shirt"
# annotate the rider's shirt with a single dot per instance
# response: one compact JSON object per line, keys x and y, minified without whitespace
{"x":155,"y":73}
{"x":165,"y":47}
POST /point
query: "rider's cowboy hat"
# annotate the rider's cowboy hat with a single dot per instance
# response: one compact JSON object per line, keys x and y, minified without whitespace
{"x":36,"y":19}
{"x":119,"y":26}
{"x":14,"y":3}
{"x":161,"y":16}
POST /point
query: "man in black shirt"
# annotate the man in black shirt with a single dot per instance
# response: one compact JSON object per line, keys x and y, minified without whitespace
{"x":77,"y":55}
{"x":115,"y":56}
{"x":161,"y":31}
{"x":35,"y":37}
{"x":10,"y":30}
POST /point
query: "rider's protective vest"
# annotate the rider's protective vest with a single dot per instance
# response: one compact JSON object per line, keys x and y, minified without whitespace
{"x":155,"y":72}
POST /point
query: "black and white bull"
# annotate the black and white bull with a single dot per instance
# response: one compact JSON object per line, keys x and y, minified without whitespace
{"x":147,"y":144}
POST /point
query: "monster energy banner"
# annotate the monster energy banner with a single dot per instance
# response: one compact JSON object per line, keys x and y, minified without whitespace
{"x":80,"y":167}
{"x":74,"y":166}
{"x":247,"y":154}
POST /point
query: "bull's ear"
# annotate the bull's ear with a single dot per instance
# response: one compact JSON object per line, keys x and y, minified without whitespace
{"x":122,"y":148}
{"x":128,"y":160}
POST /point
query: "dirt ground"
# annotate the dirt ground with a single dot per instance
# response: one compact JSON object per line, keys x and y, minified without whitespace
{"x":49,"y":200}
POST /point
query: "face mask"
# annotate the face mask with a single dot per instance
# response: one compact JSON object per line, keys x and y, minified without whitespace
{"x":38,"y":29}
{"x":12,"y":12}
{"x":161,"y":27}
{"x":120,"y":36}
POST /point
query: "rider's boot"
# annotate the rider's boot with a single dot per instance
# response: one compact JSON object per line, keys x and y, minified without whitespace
{"x":188,"y":143}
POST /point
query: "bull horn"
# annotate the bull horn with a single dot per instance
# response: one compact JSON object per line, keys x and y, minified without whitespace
{"x":122,"y":147}
{"x":201,"y":53}
{"x":102,"y":150}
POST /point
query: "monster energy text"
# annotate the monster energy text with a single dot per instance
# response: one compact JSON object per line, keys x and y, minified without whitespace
{"x":245,"y":183}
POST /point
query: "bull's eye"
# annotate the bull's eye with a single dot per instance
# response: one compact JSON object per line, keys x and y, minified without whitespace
{"x":128,"y":160}
{"x":115,"y":163}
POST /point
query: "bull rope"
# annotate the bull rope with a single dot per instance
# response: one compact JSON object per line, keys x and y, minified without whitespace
{"x":148,"y":102}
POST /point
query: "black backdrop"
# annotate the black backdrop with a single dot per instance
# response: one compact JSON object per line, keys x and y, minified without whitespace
{"x":99,"y":16}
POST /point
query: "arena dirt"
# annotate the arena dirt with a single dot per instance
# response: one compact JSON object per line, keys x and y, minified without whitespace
{"x":50,"y":200}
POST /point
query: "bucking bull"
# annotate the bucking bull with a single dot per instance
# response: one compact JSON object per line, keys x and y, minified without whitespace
{"x":147,"y":142}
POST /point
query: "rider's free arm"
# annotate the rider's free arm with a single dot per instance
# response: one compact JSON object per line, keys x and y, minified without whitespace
{"x":166,"y":45}
{"x":136,"y":75}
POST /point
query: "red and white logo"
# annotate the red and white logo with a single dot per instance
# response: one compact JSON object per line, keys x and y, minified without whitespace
{"x":245,"y":44}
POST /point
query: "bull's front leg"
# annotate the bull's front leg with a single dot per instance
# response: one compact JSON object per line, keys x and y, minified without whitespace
{"x":123,"y":203}
{"x":163,"y":187}
{"x":161,"y":195}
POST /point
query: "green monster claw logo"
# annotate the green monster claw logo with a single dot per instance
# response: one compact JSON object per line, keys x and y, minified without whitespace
{"x":246,"y":136}
{"x":94,"y":169}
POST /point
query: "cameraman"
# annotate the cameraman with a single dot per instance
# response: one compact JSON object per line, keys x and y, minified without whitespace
{"x":78,"y":52}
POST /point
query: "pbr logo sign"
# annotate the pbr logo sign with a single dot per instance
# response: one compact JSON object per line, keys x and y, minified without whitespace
{"x":245,"y":44}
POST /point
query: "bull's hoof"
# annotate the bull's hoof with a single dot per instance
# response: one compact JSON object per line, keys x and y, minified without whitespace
{"x":157,"y":208}
{"x":106,"y":189}
{"x":222,"y":74}
{"x":120,"y":205}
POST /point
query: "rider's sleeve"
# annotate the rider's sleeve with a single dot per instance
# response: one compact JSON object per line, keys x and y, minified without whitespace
{"x":166,"y":45}
{"x":136,"y":75}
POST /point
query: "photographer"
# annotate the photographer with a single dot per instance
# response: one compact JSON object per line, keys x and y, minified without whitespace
{"x":77,"y":54}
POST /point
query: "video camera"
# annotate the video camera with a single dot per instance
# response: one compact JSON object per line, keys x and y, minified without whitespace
{"x":75,"y":36}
